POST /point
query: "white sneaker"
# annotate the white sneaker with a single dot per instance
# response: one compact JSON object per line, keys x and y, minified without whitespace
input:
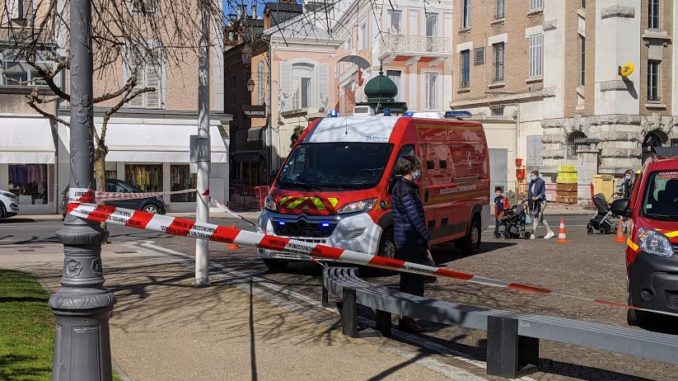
{"x":549,"y":235}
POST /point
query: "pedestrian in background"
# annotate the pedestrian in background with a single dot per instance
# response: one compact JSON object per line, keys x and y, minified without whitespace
{"x":501,"y":204}
{"x":536,"y":193}
{"x":411,"y":235}
{"x":626,"y":185}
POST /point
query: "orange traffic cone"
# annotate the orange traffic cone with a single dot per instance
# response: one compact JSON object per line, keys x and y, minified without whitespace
{"x":562,"y":237}
{"x":233,"y":245}
{"x":620,"y":233}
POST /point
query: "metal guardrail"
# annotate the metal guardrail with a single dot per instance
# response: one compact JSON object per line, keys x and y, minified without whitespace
{"x":512,"y":339}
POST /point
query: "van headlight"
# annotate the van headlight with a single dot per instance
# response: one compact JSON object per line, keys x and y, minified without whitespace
{"x":269,"y":204}
{"x":655,"y":243}
{"x":359,"y":206}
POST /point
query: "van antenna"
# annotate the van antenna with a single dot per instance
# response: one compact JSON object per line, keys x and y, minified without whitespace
{"x":345,"y":126}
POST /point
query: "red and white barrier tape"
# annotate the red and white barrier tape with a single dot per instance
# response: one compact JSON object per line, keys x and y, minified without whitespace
{"x":189,"y":228}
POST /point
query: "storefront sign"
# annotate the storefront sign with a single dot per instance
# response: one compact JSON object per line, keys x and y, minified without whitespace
{"x":251,"y":112}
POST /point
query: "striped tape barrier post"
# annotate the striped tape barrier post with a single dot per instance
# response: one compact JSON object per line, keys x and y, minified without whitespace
{"x":212,"y":232}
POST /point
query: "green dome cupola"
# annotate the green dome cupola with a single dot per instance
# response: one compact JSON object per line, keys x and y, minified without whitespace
{"x":381,"y":92}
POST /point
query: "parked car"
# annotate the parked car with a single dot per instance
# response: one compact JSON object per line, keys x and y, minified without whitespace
{"x":150,"y":204}
{"x":334,"y":186}
{"x":652,"y":232}
{"x":9,"y":206}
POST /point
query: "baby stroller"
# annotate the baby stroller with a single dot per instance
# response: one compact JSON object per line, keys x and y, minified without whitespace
{"x":515,"y":221}
{"x":604,"y":221}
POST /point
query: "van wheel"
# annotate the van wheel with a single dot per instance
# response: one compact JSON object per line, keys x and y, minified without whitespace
{"x":275,"y":264}
{"x":2,"y":211}
{"x":387,"y":246}
{"x":471,"y":243}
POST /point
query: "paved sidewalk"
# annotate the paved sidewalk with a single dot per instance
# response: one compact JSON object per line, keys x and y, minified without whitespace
{"x":164,"y":329}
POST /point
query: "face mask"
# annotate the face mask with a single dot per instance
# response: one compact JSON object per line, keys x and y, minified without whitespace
{"x":417,"y":174}
{"x":533,"y":177}
{"x":628,"y":177}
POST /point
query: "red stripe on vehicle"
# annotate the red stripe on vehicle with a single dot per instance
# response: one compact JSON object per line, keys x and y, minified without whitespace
{"x":327,"y":251}
{"x":139,"y":220}
{"x":225,"y":234}
{"x":101,"y":213}
{"x":272,"y":242}
{"x":180,"y":226}
{"x":454,"y":274}
{"x":528,"y":288}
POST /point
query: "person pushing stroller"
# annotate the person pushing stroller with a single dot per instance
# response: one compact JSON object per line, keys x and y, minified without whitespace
{"x":536,"y":193}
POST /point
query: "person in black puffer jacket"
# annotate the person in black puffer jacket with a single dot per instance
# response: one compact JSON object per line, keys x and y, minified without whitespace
{"x":411,"y":235}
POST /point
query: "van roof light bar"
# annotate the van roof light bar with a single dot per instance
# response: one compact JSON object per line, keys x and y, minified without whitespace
{"x":457,"y":114}
{"x":666,"y":151}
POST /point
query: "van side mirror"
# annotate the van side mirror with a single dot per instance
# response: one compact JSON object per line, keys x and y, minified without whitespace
{"x":271,"y":178}
{"x":621,"y":207}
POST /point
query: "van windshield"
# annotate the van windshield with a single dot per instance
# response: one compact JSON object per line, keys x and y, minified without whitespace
{"x":335,"y":166}
{"x":661,"y":197}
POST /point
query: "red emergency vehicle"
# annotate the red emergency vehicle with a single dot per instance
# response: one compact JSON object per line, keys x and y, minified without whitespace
{"x":334,"y":186}
{"x":652,"y":237}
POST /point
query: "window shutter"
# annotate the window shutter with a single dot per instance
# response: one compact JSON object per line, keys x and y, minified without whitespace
{"x":286,"y":84}
{"x":323,"y":84}
{"x":153,"y":79}
{"x":137,"y":101}
{"x":13,"y":7}
{"x":479,"y":56}
{"x":427,"y":85}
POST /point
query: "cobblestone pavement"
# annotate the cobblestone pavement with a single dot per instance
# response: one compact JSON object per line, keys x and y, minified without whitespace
{"x":589,"y":265}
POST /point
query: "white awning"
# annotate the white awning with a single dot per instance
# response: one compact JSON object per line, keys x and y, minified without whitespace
{"x":163,"y":143}
{"x":27,"y":140}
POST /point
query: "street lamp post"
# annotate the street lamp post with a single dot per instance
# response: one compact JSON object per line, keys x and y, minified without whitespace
{"x":82,"y":305}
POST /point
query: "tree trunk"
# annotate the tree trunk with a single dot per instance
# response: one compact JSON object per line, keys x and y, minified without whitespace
{"x":100,"y":178}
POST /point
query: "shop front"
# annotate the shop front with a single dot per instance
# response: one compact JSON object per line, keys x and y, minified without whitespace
{"x":154,"y":157}
{"x":28,"y":163}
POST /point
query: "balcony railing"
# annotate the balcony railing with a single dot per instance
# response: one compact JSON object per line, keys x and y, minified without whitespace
{"x":414,"y":45}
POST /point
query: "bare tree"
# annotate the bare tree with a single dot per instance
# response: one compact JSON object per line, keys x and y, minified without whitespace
{"x":130,"y":39}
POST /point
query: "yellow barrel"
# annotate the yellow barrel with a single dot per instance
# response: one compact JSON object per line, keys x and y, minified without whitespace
{"x":604,"y":184}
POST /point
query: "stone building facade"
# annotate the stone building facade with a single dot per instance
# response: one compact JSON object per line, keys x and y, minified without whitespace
{"x":544,"y":77}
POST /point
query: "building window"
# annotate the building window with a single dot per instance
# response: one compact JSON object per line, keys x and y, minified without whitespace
{"x":536,"y":55}
{"x":497,"y":110}
{"x":431,"y":87}
{"x":147,"y":75}
{"x":572,"y":141}
{"x":261,"y":83}
{"x":465,"y":69}
{"x":466,"y":14}
{"x":500,"y":11}
{"x":14,"y":71}
{"x":498,"y":62}
{"x":653,"y":14}
{"x":143,"y":7}
{"x":653,"y":81}
{"x":21,"y":11}
{"x":395,"y":21}
{"x":536,"y":5}
{"x":582,"y":60}
{"x":303,"y":86}
{"x":181,"y":179}
{"x":396,"y":77}
{"x":363,"y":37}
{"x":431,"y":31}
{"x":582,"y":4}
{"x":31,"y":183}
{"x":146,"y":177}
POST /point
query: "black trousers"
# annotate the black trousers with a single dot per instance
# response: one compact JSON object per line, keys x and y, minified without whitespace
{"x":412,"y":283}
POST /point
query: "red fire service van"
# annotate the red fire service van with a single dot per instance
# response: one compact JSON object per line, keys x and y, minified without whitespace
{"x":652,"y":232}
{"x":333,"y":187}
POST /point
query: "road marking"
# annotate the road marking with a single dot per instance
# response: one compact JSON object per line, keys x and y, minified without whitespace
{"x":432,"y":364}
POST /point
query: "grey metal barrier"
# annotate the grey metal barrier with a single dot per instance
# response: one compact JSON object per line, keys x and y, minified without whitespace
{"x":512,"y":339}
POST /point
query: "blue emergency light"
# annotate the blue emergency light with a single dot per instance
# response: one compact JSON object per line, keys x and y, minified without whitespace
{"x":333,"y":114}
{"x":325,"y":224}
{"x":460,"y":114}
{"x":408,"y":113}
{"x":387,"y":111}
